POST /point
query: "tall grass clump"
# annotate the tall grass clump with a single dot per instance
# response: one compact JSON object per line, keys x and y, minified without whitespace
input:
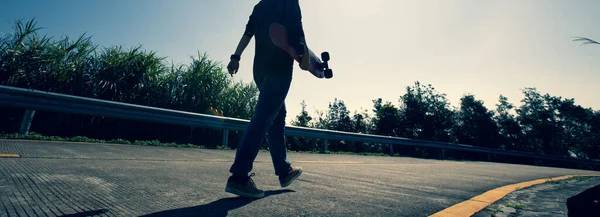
{"x":130,"y":75}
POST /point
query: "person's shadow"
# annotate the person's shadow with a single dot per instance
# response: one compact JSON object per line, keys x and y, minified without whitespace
{"x":219,"y":207}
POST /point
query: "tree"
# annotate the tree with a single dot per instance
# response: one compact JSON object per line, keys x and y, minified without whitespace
{"x":577,"y":125}
{"x":303,"y":119}
{"x":302,"y":143}
{"x":509,"y":129}
{"x":387,"y":118}
{"x":338,"y":119}
{"x":539,"y":118}
{"x":591,"y":145}
{"x":475,"y":124}
{"x":426,"y":114}
{"x":362,"y":125}
{"x":361,"y":122}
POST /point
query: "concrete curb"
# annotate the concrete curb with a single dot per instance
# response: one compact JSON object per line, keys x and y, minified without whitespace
{"x":480,"y":202}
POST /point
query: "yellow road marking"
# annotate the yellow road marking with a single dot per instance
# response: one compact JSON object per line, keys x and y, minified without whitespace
{"x":9,"y":156}
{"x":477,"y":203}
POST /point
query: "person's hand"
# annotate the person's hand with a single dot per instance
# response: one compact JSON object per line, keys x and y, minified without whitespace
{"x":305,"y":63}
{"x":233,"y":67}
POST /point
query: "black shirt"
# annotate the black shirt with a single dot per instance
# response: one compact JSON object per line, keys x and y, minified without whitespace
{"x":266,"y":12}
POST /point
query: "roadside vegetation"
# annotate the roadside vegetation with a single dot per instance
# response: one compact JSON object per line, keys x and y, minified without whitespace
{"x":542,"y":123}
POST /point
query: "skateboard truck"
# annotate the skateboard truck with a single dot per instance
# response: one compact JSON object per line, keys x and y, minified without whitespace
{"x":325,"y":65}
{"x":301,"y":50}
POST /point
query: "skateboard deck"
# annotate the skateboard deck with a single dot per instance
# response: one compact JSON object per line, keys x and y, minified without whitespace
{"x":319,"y":68}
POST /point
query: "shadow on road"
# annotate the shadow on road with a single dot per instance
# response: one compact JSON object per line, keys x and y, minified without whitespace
{"x":219,"y":207}
{"x":87,"y":213}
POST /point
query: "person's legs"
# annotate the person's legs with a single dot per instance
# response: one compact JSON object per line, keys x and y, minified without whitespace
{"x":273,"y":91}
{"x":271,"y":97}
{"x":276,"y":139}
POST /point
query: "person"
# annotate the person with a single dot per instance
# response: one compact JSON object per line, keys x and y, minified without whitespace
{"x":272,"y":72}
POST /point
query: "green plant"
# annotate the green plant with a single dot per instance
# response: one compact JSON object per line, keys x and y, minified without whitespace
{"x":582,"y":178}
{"x":493,"y":210}
{"x":516,"y":206}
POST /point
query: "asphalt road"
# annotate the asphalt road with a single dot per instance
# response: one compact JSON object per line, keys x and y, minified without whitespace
{"x":69,"y":179}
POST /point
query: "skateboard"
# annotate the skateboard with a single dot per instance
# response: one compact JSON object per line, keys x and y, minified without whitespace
{"x":319,"y":68}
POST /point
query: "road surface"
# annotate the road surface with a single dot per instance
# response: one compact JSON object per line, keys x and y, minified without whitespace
{"x":70,"y":179}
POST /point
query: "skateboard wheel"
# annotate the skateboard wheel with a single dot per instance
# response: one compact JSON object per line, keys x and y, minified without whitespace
{"x":328,"y":73}
{"x":325,"y":56}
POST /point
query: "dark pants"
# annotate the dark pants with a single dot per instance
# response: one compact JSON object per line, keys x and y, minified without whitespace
{"x":269,"y":117}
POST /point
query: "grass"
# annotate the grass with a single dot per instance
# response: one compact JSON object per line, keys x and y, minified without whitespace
{"x":516,"y":206}
{"x":550,"y":181}
{"x":582,"y":178}
{"x":493,"y":210}
{"x":564,"y":182}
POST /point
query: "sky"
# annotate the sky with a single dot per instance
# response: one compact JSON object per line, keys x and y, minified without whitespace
{"x":377,"y":47}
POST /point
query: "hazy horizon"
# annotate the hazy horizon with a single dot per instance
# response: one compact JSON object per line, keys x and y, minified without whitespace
{"x":486,"y":48}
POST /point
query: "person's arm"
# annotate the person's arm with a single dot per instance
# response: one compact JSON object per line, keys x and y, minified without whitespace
{"x":293,"y":20}
{"x":244,"y":41}
{"x":234,"y":64}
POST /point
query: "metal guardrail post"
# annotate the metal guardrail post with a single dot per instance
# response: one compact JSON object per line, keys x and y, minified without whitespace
{"x":391,"y":149}
{"x":225,"y":135}
{"x":191,"y":136}
{"x":26,"y":121}
{"x":324,"y":148}
{"x":225,"y":138}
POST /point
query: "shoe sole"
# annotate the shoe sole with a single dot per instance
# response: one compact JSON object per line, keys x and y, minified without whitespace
{"x":291,"y":180}
{"x":243,"y":194}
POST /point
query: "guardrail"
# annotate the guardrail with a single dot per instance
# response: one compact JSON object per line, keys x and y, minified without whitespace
{"x":40,"y":100}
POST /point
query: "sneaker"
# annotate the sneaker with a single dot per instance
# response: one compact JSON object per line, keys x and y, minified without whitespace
{"x":287,"y":179}
{"x":244,"y":187}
